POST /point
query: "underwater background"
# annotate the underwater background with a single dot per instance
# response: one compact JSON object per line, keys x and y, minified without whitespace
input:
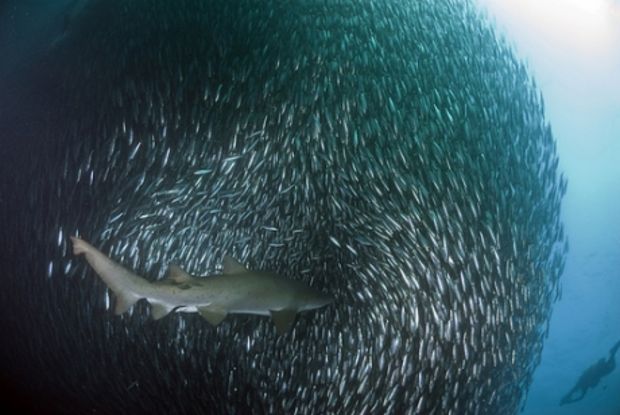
{"x":443,"y":241}
{"x":573,"y":50}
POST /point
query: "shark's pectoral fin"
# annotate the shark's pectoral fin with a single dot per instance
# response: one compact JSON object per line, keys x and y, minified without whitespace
{"x":159,"y":311}
{"x":283,"y":319}
{"x":123,"y":302}
{"x":212,"y":314}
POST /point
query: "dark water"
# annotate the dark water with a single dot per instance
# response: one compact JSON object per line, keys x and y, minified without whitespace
{"x":393,"y":154}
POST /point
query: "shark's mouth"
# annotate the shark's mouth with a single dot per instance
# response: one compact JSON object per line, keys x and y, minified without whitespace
{"x":393,"y":155}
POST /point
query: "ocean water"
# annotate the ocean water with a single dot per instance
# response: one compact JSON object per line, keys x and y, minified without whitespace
{"x":415,"y":178}
{"x":573,"y":48}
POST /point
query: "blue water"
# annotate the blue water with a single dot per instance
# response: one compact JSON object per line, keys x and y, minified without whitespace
{"x":574,"y":52}
{"x":576,"y":61}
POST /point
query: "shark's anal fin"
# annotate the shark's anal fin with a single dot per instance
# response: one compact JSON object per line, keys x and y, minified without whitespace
{"x":123,"y":303}
{"x":178,"y":275}
{"x":212,"y":315}
{"x":159,"y":311}
{"x":232,"y":266}
{"x":283,"y":320}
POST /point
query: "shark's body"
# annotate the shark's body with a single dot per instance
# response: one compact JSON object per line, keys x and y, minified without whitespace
{"x":237,"y":291}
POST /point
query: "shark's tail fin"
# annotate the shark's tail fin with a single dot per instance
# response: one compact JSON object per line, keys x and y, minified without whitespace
{"x":122,"y":282}
{"x":80,"y":246}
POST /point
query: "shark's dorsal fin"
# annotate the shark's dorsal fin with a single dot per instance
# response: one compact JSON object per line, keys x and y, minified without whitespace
{"x":176,"y":274}
{"x":232,"y":266}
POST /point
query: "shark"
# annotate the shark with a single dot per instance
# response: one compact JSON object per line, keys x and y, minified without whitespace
{"x":237,"y":290}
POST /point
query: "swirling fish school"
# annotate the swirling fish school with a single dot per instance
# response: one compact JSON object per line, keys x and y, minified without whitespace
{"x":393,"y":154}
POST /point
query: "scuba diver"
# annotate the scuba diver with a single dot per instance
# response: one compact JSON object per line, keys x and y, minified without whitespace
{"x":591,"y":376}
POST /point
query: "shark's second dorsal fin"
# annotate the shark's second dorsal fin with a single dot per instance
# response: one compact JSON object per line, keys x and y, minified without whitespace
{"x":232,"y":266}
{"x":176,"y":274}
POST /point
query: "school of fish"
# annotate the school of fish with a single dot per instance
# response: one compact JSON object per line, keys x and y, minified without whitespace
{"x":392,"y":154}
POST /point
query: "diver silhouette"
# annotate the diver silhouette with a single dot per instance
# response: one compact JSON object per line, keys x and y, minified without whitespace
{"x":592,"y":376}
